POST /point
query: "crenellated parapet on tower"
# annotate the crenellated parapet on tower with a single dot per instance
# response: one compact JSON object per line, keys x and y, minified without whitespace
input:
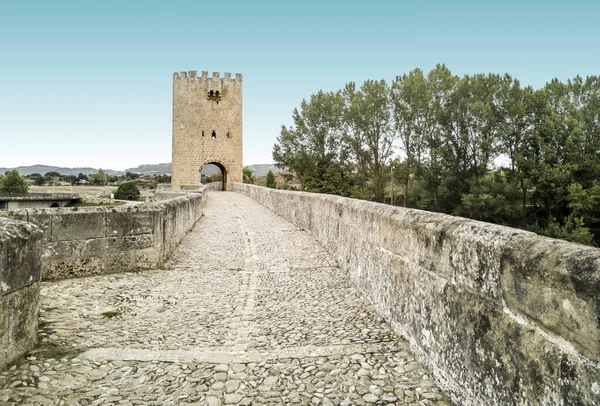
{"x":207,"y":126}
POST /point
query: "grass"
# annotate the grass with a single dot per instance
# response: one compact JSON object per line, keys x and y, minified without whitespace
{"x":56,"y":350}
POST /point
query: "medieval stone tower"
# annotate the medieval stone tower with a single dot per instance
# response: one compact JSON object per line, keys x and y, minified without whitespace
{"x":207,"y":127}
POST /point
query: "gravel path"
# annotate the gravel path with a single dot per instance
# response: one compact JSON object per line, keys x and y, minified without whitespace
{"x":250,"y":311}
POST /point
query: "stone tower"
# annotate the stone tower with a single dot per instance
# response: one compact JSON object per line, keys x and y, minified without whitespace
{"x":207,"y":127}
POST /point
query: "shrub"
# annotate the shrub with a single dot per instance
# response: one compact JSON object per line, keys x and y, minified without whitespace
{"x":271,"y":180}
{"x":127,"y":191}
{"x":248,"y":175}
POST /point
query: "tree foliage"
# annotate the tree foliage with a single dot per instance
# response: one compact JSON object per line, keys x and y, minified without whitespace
{"x":314,"y":146}
{"x":248,"y":175}
{"x":12,"y":182}
{"x":369,"y":134}
{"x":127,"y":191}
{"x":270,"y":182}
{"x":100,"y":178}
{"x":481,"y":146}
{"x":215,"y":177}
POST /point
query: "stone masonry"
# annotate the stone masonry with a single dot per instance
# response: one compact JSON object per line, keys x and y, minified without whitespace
{"x":84,"y":241}
{"x":251,"y":311}
{"x":503,"y":317}
{"x":20,"y":264}
{"x":207,"y":126}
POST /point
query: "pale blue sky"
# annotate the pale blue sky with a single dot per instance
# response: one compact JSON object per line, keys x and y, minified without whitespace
{"x":89,"y":83}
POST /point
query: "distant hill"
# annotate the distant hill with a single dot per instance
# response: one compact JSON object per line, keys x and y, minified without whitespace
{"x":263,"y":169}
{"x":147,"y":169}
{"x":43,"y":169}
{"x":161,"y":169}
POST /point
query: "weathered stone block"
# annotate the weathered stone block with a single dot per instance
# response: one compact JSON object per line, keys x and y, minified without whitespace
{"x":129,"y":243}
{"x":20,"y":262}
{"x":73,"y":268}
{"x":14,"y":214}
{"x":128,"y":221}
{"x":43,"y":219}
{"x":556,"y":286}
{"x":20,"y":249}
{"x":80,"y":224}
{"x":19,"y":312}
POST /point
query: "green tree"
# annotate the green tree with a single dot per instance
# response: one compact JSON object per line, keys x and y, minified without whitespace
{"x":127,"y":191}
{"x":53,"y":174}
{"x":37,"y":178}
{"x":572,"y":230}
{"x":314,"y":147}
{"x":248,"y":175}
{"x":100,"y":178}
{"x":163,"y":179}
{"x":13,"y":183}
{"x":412,"y":110}
{"x":470,"y":123}
{"x":370,"y":134}
{"x":215,"y":177}
{"x":430,"y":188}
{"x":271,"y":180}
{"x":492,"y":198}
{"x":480,"y":146}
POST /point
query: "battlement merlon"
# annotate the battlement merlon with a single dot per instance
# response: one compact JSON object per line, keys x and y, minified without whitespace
{"x":193,"y":75}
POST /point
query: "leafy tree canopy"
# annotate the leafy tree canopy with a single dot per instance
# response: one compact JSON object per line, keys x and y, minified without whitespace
{"x":481,"y":146}
{"x":127,"y":191}
{"x":271,"y":180}
{"x":12,"y":182}
{"x":248,"y":175}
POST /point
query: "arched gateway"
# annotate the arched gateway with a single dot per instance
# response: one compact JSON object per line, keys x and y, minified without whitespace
{"x":221,"y":168}
{"x":207,"y":127}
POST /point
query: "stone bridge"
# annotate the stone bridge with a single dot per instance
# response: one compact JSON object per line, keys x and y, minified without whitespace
{"x":292,"y":298}
{"x":12,"y":201}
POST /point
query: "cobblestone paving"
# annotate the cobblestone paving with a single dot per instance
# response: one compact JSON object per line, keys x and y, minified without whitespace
{"x":251,"y":311}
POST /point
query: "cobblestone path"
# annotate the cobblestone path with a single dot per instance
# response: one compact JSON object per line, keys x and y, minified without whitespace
{"x":250,"y":311}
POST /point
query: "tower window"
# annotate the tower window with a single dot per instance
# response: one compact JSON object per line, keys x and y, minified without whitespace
{"x":203,"y":133}
{"x":214,"y":95}
{"x":228,"y":134}
{"x":214,"y":135}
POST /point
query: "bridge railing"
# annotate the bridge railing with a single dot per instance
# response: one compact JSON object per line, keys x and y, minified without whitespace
{"x":39,"y":196}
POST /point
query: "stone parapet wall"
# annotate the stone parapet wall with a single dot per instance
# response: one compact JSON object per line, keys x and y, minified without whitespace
{"x":102,"y":240}
{"x":501,"y":316}
{"x":161,"y":195}
{"x":214,"y":186}
{"x":190,"y":187}
{"x":20,"y":265}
